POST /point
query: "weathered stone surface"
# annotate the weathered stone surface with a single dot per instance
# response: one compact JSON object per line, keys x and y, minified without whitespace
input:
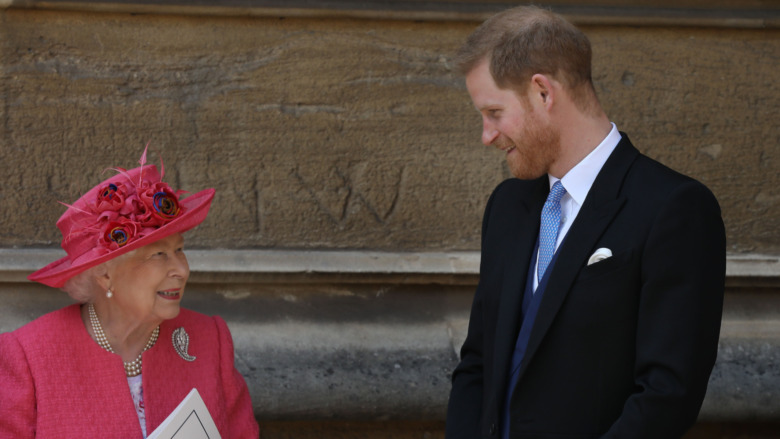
{"x":745,"y":383}
{"x":327,"y":133}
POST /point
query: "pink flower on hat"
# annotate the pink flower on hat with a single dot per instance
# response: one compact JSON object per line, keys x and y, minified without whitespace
{"x":110,"y":197}
{"x":116,"y":234}
{"x":126,"y":212}
{"x":161,"y":205}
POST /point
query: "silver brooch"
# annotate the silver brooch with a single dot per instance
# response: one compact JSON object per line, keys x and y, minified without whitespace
{"x":181,"y":342}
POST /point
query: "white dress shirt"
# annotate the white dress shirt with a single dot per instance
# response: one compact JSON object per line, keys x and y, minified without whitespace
{"x":577,"y":183}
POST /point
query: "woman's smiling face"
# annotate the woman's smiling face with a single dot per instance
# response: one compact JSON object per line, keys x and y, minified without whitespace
{"x":148,"y":283}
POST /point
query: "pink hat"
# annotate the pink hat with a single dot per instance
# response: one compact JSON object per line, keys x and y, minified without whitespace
{"x":125,"y":212}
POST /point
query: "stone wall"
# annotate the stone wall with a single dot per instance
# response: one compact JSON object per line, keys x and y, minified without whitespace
{"x":342,"y":245}
{"x":326,"y":133}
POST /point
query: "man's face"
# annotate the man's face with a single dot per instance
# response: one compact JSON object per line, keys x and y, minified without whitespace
{"x":517,"y":126}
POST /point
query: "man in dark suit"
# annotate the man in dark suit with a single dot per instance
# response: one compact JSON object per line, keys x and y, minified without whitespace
{"x":598,"y":308}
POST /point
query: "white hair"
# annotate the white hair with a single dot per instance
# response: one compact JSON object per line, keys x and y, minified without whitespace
{"x":84,"y":286}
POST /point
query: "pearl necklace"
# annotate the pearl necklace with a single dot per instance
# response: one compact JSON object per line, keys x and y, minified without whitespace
{"x":132,"y":368}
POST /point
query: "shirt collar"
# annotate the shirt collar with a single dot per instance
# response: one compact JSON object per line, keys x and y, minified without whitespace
{"x":581,"y":177}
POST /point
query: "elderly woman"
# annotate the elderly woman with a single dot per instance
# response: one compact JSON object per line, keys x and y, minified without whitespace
{"x":119,"y":362}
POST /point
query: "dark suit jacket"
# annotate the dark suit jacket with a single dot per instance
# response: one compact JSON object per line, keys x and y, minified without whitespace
{"x":622,"y":348}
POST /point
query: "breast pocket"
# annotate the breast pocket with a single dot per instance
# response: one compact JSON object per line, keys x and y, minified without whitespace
{"x":605,"y":267}
{"x":606,"y":292}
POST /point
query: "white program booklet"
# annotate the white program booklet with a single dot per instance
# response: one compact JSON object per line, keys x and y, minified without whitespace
{"x":190,"y":420}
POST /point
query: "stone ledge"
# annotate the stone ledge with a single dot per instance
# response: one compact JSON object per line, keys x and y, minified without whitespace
{"x":363,"y":377}
{"x":361,"y":351}
{"x":355,"y":266}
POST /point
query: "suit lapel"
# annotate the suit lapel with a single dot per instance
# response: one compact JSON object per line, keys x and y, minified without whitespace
{"x":603,"y":202}
{"x":517,"y":253}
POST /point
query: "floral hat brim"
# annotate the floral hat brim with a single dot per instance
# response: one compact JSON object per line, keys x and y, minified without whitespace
{"x":97,"y":229}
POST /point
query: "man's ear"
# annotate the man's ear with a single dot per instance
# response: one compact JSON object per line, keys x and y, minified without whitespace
{"x":543,"y":90}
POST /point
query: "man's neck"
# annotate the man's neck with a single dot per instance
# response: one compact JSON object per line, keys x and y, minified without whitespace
{"x":580,"y":134}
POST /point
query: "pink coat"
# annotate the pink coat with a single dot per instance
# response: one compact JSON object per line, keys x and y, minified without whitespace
{"x":55,"y":381}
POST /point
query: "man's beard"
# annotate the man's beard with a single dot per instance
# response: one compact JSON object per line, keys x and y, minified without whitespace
{"x":536,"y":149}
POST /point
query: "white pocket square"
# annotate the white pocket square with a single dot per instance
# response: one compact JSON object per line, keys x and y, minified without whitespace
{"x":599,"y":255}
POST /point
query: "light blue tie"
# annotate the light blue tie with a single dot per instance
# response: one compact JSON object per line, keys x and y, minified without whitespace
{"x":551,"y":221}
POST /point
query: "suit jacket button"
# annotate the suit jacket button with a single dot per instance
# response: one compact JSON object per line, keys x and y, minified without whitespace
{"x":493,"y":429}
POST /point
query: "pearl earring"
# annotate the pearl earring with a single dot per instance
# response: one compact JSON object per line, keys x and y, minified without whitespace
{"x":109,"y":293}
